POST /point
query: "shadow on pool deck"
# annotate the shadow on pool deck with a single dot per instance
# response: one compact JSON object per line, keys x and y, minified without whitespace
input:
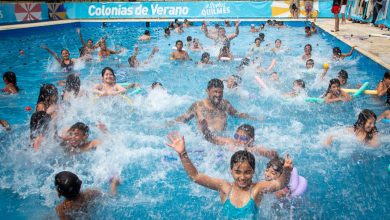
{"x":376,"y":48}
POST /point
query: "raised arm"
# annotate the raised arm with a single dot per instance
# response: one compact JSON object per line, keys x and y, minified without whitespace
{"x":237,"y":24}
{"x":279,"y":183}
{"x":213,"y":138}
{"x":45,"y":47}
{"x":81,"y":37}
{"x":188,"y":115}
{"x":273,"y":63}
{"x":206,"y":32}
{"x":350,"y":52}
{"x":385,"y":114}
{"x":177,"y":143}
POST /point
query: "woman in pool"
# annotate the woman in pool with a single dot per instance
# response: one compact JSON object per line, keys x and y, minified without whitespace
{"x":39,"y":123}
{"x":66,"y":62}
{"x":337,"y":55}
{"x":205,"y":59}
{"x":307,"y":52}
{"x":242,"y":197}
{"x":334,"y":93}
{"x":133,"y":59}
{"x":364,"y":129}
{"x":72,"y":88}
{"x":225,"y":54}
{"x":244,"y":137}
{"x":11,"y":86}
{"x":109,"y":87}
{"x":383,"y":87}
{"x":76,"y":202}
{"x":47,"y":99}
{"x":297,"y":89}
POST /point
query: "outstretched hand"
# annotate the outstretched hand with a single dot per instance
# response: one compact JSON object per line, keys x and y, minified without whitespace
{"x":176,"y":142}
{"x":288,"y":163}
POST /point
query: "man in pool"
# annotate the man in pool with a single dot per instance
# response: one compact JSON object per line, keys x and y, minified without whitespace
{"x":213,"y":109}
{"x":221,"y":39}
{"x":179,"y":54}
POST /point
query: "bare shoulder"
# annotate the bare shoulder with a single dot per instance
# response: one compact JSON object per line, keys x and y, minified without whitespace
{"x":91,"y":194}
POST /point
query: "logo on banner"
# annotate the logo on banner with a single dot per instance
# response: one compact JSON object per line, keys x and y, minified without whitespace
{"x":215,"y":9}
{"x":28,"y":11}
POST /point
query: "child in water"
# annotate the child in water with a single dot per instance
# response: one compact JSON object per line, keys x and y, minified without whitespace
{"x":297,"y":89}
{"x":205,"y":59}
{"x":76,"y":139}
{"x":72,"y":88}
{"x":109,"y":87}
{"x":77,"y":202}
{"x":364,"y":129}
{"x":5,"y":124}
{"x":225,"y":54}
{"x":337,"y":55}
{"x":47,"y":99}
{"x":334,"y":93}
{"x":11,"y":86}
{"x":244,"y":137}
{"x":242,"y":197}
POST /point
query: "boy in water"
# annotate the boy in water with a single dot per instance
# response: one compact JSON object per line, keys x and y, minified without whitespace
{"x":5,"y":124}
{"x":68,"y":185}
{"x":145,"y":36}
{"x":179,"y":54}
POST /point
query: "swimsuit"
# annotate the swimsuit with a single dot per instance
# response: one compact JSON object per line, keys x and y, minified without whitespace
{"x":67,"y":67}
{"x":336,"y":6}
{"x":248,"y":211}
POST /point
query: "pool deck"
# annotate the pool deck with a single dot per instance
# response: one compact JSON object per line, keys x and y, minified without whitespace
{"x":375,"y":47}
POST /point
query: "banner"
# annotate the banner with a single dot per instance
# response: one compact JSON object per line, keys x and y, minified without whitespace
{"x":22,"y":12}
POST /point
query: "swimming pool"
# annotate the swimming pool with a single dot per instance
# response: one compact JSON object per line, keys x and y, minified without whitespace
{"x":347,"y":181}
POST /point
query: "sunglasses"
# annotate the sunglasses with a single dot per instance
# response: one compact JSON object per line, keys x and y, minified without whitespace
{"x":241,"y":137}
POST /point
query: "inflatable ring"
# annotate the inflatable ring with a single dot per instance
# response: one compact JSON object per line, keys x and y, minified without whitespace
{"x":302,"y":186}
{"x":294,"y":180}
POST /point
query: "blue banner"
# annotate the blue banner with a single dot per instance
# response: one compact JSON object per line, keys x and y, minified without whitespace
{"x":169,"y":10}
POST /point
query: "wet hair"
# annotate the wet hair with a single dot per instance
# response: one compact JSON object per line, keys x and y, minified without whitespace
{"x":278,"y":40}
{"x":262,"y":36}
{"x":331,"y":82}
{"x":46,"y":92}
{"x":147,"y":32}
{"x":269,"y":21}
{"x":215,"y":83}
{"x":299,"y":82}
{"x":108,"y":68}
{"x":386,"y":75}
{"x":308,"y":45}
{"x":343,"y":74}
{"x":81,"y":127}
{"x":241,"y":156}
{"x":65,"y":50}
{"x":72,"y":84}
{"x":307,"y":28}
{"x":189,"y":39}
{"x":336,"y":50}
{"x":237,"y":79}
{"x":67,"y":184}
{"x":361,"y":122}
{"x":262,"y":25}
{"x":204,"y":55}
{"x":39,"y":122}
{"x":276,"y":164}
{"x":178,"y":41}
{"x":249,"y":129}
{"x":166,"y":30}
{"x":257,"y":38}
{"x":310,"y":60}
{"x":11,"y":78}
{"x":154,"y":84}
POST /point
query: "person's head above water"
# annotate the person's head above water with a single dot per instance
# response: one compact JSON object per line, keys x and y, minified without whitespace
{"x":334,"y":87}
{"x":258,"y":41}
{"x":245,"y":135}
{"x":262,"y":36}
{"x":274,"y":169}
{"x":108,"y":75}
{"x":308,"y":48}
{"x":366,"y":122}
{"x":65,"y":54}
{"x":167,"y":31}
{"x":309,"y":64}
{"x":386,"y":77}
{"x":147,"y":32}
{"x":156,"y":85}
{"x":298,"y":85}
{"x":242,"y":167}
{"x":336,"y":51}
{"x":189,"y":39}
{"x":39,"y":122}
{"x":233,"y":81}
{"x":205,"y":57}
{"x":343,"y":77}
{"x":67,"y":184}
{"x":72,"y":84}
{"x":77,"y":135}
{"x":221,"y":32}
{"x":48,"y":93}
{"x":278,"y":43}
{"x":179,"y":45}
{"x":307,"y":30}
{"x":215,"y":91}
{"x":10,"y":77}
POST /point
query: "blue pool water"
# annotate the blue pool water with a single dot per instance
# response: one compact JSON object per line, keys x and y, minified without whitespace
{"x":346,"y":181}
